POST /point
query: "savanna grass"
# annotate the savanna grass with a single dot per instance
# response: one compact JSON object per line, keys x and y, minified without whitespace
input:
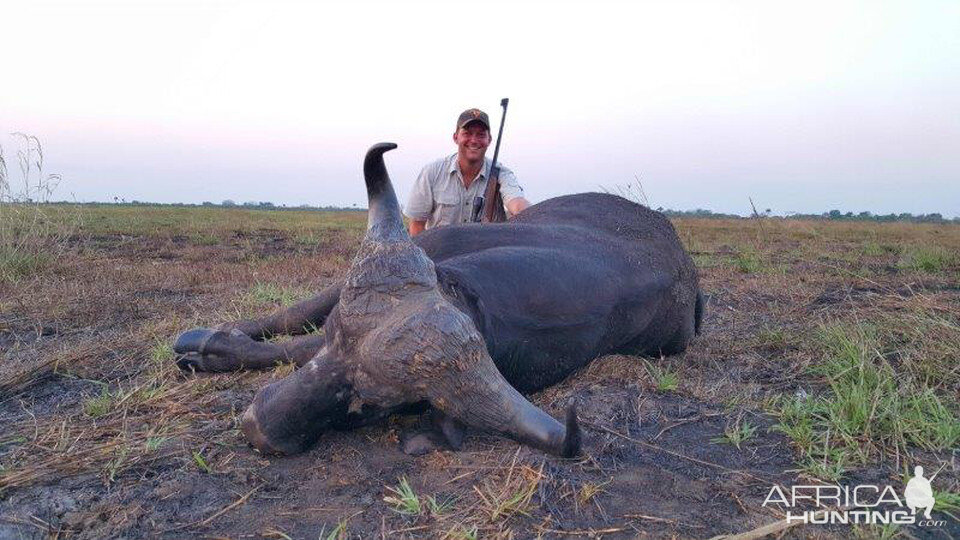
{"x":158,"y":419}
{"x":339,"y":532}
{"x":736,"y":433}
{"x":664,"y":378}
{"x":748,"y":261}
{"x":928,"y":258}
{"x":264,"y":294}
{"x":866,"y":406}
{"x":33,"y":235}
{"x":204,"y":224}
{"x":404,"y":499}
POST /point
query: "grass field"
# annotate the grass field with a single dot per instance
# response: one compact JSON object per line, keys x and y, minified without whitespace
{"x":830,"y":353}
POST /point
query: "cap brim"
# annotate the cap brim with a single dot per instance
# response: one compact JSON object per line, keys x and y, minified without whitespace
{"x":472,"y":120}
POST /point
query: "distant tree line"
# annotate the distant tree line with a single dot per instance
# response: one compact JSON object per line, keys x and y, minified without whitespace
{"x":832,"y":215}
{"x":699,"y":213}
{"x":837,"y":215}
{"x":249,"y":205}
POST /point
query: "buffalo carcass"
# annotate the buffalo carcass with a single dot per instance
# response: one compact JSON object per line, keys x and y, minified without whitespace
{"x":464,"y":318}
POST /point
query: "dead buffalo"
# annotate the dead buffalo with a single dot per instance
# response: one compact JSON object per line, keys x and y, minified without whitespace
{"x":463,"y":319}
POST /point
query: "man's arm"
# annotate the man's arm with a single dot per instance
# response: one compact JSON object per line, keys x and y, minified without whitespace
{"x":417,"y":226}
{"x":511,"y":192}
{"x":515,"y":206}
{"x":420,"y":202}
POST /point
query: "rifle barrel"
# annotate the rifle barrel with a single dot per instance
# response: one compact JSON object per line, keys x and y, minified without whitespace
{"x":496,"y":149}
{"x":486,"y":205}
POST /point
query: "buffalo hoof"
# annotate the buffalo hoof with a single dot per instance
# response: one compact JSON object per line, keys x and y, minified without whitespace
{"x":453,"y":431}
{"x":444,"y":433}
{"x":193,"y":340}
{"x":206,"y":349}
{"x":423,"y":442}
{"x":206,"y":363}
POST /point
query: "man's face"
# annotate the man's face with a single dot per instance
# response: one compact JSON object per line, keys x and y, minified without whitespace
{"x":472,"y":141}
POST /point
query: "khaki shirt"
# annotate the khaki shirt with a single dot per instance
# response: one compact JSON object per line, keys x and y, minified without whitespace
{"x":439,"y":198}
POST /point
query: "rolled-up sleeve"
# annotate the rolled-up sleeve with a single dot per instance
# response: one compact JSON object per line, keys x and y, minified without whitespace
{"x":509,"y":187}
{"x":419,"y":205}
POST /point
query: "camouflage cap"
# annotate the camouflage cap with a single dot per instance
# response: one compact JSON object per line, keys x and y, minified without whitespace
{"x":473,"y":115}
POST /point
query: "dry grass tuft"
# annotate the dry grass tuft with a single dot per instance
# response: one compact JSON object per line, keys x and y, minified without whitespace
{"x":33,"y":235}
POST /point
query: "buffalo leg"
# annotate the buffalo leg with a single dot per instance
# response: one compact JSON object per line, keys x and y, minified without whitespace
{"x":204,"y":349}
{"x":301,"y":318}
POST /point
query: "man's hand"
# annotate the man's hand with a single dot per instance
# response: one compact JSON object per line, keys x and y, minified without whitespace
{"x":417,"y":226}
{"x":515,"y":206}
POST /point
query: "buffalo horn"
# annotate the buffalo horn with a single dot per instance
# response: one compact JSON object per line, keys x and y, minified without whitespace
{"x":384,"y":220}
{"x":487,"y":402}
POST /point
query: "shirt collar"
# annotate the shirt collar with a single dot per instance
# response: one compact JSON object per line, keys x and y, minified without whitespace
{"x":455,"y":167}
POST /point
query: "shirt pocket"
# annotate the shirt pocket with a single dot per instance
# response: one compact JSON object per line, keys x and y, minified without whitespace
{"x":447,"y":211}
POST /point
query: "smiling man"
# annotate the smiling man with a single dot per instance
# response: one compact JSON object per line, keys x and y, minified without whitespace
{"x":443,"y":193}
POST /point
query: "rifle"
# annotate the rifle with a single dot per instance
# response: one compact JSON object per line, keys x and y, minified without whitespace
{"x":492,"y":202}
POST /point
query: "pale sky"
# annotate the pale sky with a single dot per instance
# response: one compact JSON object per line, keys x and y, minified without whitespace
{"x":803,"y":106}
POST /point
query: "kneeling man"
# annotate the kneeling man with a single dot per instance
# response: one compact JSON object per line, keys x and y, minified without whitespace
{"x":445,"y":189}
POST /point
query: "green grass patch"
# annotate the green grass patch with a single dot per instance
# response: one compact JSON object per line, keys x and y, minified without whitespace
{"x":204,"y":224}
{"x":747,"y":261}
{"x":736,"y":434}
{"x":201,"y":462}
{"x":926,"y":346}
{"x":33,"y":234}
{"x":337,"y":533}
{"x":308,"y":238}
{"x":462,"y":533}
{"x":162,"y":351}
{"x":440,"y":505}
{"x":117,"y":465}
{"x":929,"y":259}
{"x":831,"y":466}
{"x":152,"y":444}
{"x":203,"y":238}
{"x":707,"y":260}
{"x":273,"y":294}
{"x":774,"y":338}
{"x":504,"y":503}
{"x":665,"y":379}
{"x":866,"y":406}
{"x":16,"y":264}
{"x":876,"y":249}
{"x":404,"y":499}
{"x":99,"y":406}
{"x":947,"y":502}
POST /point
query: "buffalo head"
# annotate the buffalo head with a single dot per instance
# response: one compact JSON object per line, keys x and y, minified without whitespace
{"x":395,"y":340}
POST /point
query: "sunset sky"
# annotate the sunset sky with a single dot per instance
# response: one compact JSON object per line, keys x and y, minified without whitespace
{"x":803,"y":106}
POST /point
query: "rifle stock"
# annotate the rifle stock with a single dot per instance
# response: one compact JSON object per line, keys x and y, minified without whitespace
{"x":492,"y":201}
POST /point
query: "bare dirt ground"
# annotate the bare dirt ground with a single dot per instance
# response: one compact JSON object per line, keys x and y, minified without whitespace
{"x":101,"y":436}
